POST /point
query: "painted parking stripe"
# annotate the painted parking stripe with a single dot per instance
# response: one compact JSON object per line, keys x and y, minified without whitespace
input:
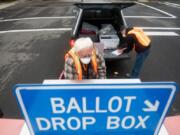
{"x":36,"y":30}
{"x":160,"y":28}
{"x":159,"y":17}
{"x":164,"y":33}
{"x":36,"y":18}
{"x":164,"y":12}
{"x":172,"y":4}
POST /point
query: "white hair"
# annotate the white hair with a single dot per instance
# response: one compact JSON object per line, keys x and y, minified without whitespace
{"x":83,"y":43}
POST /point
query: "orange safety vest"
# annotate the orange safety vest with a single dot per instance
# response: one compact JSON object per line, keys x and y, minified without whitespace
{"x":77,"y":63}
{"x":142,"y":38}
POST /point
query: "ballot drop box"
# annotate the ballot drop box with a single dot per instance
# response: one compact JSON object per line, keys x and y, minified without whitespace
{"x":95,"y":107}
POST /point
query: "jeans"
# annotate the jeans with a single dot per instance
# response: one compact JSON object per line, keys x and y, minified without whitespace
{"x":140,"y":59}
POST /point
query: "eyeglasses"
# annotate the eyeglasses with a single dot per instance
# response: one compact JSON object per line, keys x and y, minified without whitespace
{"x":87,"y":55}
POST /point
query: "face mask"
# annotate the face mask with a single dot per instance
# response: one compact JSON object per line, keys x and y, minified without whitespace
{"x":85,"y":60}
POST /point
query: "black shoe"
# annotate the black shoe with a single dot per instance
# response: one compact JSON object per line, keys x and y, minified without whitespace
{"x":1,"y":114}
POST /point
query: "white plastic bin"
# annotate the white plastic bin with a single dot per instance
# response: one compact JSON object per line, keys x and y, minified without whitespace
{"x":109,"y":41}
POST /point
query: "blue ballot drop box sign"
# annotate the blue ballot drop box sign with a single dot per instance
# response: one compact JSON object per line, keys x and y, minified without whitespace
{"x":95,"y":109}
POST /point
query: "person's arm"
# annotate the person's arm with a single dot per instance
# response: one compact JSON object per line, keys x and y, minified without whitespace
{"x":69,"y":70}
{"x":130,"y":43}
{"x":126,"y":45}
{"x":101,"y":67}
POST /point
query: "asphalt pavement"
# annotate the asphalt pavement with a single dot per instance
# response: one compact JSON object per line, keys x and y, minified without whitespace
{"x":34,"y":37}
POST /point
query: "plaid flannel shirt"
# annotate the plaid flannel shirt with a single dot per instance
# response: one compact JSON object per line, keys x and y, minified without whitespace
{"x":70,"y":70}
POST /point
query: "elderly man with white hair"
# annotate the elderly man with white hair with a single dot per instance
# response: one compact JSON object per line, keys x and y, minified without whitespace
{"x":84,"y":62}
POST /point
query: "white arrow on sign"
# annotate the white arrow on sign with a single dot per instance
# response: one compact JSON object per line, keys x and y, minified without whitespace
{"x":151,"y":107}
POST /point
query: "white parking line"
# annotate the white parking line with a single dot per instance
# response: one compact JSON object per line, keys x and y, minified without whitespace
{"x":36,"y":30}
{"x":159,"y":10}
{"x":159,"y":17}
{"x":160,"y":28}
{"x":172,"y":4}
{"x":164,"y":12}
{"x":36,"y":18}
{"x":164,"y":33}
{"x":151,"y":33}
